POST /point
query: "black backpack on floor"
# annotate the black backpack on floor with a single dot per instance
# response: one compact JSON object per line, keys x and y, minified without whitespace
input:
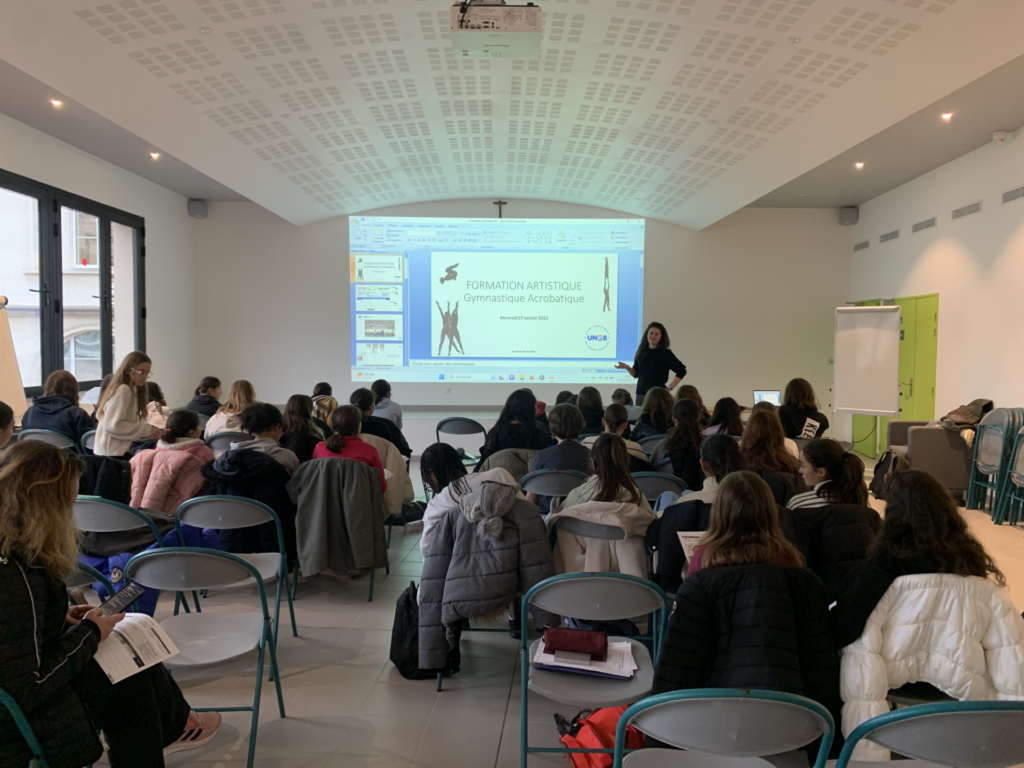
{"x":889,"y":464}
{"x":405,"y":640}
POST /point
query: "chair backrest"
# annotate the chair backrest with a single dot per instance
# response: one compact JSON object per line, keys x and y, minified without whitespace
{"x":104,"y":516}
{"x":633,"y":412}
{"x":48,"y":436}
{"x":653,"y":484}
{"x":553,"y":482}
{"x":89,"y":440}
{"x":8,"y":702}
{"x":459,"y":425}
{"x":729,"y":722}
{"x":224,"y":512}
{"x":649,"y":443}
{"x":978,"y":734}
{"x":221,"y":442}
{"x":597,"y":596}
{"x":590,"y":530}
{"x":183,"y":569}
{"x":1017,"y":464}
{"x":991,"y":440}
{"x":666,"y":462}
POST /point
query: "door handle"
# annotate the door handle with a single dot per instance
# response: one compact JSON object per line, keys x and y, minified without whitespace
{"x":909,"y":385}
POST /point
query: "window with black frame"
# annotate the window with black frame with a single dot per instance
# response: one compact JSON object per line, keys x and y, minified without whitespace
{"x":72,"y":271}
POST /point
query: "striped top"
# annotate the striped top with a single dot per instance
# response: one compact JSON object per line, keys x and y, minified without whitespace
{"x":809,"y":499}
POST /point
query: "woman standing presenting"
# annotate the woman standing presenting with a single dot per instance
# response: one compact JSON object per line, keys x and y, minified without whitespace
{"x":653,"y":362}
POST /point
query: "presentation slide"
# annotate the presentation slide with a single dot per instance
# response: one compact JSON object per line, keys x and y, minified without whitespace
{"x":495,"y":300}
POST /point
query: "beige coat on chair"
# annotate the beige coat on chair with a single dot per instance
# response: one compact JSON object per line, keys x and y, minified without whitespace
{"x":400,"y":488}
{"x":575,"y":554}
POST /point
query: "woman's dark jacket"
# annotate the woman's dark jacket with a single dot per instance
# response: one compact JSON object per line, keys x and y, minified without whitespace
{"x":592,"y":421}
{"x":752,"y":626}
{"x":836,"y":540}
{"x":302,"y":444}
{"x":57,"y":414}
{"x":645,"y":428}
{"x":204,"y":405}
{"x":39,"y":656}
{"x":530,"y":436}
{"x":686,"y":466}
{"x":253,"y":475}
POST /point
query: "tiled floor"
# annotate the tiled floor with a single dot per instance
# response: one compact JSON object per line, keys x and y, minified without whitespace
{"x":347,"y":707}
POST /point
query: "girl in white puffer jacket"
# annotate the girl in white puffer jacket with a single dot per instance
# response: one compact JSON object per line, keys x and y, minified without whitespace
{"x":926,"y":607}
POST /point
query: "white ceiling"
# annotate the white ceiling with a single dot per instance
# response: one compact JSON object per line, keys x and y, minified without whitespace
{"x":683,"y":110}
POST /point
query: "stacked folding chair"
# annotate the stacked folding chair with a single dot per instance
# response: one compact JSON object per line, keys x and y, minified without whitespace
{"x":993,"y":447}
{"x":1012,"y":500}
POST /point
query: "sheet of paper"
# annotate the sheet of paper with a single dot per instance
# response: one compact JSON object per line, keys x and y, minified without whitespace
{"x":689,"y":541}
{"x":138,"y":642}
{"x":619,"y":663}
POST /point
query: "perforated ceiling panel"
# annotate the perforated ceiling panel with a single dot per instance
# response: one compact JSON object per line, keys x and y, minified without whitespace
{"x":638,"y":105}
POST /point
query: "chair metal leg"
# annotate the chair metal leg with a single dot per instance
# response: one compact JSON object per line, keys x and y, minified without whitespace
{"x":195,"y":598}
{"x":277,"y":679}
{"x":440,"y":676}
{"x":372,"y":574}
{"x":277,"y":608}
{"x":524,"y":662}
{"x":295,"y":581}
{"x":256,"y":697}
{"x":387,"y":544}
{"x":288,"y":593}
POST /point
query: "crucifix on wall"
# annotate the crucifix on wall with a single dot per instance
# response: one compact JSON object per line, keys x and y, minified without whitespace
{"x":501,"y":205}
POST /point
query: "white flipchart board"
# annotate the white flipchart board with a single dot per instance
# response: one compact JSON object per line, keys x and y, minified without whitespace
{"x":866,"y":370}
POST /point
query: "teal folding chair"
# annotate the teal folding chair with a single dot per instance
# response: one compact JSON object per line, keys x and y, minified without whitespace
{"x":653,"y":484}
{"x":212,"y":639}
{"x":964,"y":734}
{"x":55,"y":439}
{"x":38,"y":758}
{"x":591,"y":597}
{"x":649,"y":443}
{"x":992,"y":446}
{"x":232,"y":512}
{"x":89,"y":441}
{"x":86,"y":576}
{"x":1012,"y":498}
{"x":726,"y":723}
{"x":96,"y":515}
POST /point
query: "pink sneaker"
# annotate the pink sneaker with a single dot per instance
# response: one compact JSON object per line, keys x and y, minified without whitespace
{"x":199,"y":731}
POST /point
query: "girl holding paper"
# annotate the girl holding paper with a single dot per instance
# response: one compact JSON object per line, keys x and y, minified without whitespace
{"x":46,"y":650}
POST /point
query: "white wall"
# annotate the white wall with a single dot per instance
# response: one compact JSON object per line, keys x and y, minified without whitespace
{"x":975,"y":264}
{"x":169,"y":262}
{"x":748,"y":302}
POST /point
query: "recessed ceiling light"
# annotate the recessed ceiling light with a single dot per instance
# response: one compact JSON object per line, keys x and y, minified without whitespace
{"x":57,"y":102}
{"x":859,"y":166}
{"x":947,"y":116}
{"x":155,"y":155}
{"x":795,"y":40}
{"x":802,"y":195}
{"x":205,"y":30}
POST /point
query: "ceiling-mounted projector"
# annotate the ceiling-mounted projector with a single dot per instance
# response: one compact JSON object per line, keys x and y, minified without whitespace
{"x":490,"y":29}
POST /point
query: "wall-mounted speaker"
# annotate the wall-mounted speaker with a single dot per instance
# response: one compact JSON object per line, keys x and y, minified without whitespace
{"x":198,"y":209}
{"x":849,"y":215}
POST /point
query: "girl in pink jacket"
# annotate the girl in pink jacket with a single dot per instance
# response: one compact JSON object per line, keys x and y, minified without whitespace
{"x":164,"y":478}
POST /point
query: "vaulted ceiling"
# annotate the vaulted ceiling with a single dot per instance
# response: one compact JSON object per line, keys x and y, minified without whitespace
{"x":682,"y":110}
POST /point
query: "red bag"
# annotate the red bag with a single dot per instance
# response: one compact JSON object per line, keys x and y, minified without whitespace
{"x":596,"y":730}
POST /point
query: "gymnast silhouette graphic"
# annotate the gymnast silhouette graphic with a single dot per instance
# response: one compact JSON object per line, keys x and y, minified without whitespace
{"x":445,"y":328}
{"x":453,"y":332}
{"x":607,"y":301}
{"x":359,"y":270}
{"x":450,"y":274}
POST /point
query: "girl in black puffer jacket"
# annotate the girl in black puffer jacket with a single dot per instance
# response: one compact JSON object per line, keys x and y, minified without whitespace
{"x":46,"y":650}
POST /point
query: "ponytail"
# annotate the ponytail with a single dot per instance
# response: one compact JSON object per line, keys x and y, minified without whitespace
{"x":845,"y":470}
{"x":722,"y":453}
{"x":208,"y":383}
{"x":179,"y":425}
{"x":346,"y":421}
